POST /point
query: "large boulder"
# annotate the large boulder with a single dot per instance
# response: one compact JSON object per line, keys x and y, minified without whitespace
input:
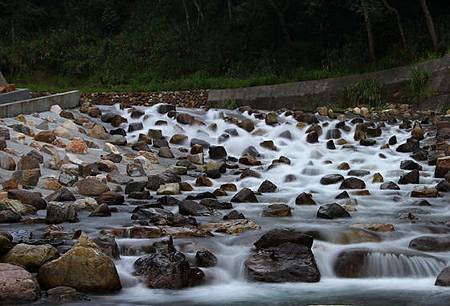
{"x":28,"y":197}
{"x":275,"y":237}
{"x":287,"y":262}
{"x":58,"y":212}
{"x":31,"y":257}
{"x":84,"y":267}
{"x":167,"y":270}
{"x":352,"y":183}
{"x":16,"y":285}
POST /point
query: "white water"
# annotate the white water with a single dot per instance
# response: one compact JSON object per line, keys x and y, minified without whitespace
{"x":412,"y":276}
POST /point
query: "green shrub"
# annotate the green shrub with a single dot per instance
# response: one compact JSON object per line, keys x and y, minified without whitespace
{"x":230,"y":104}
{"x":367,"y":92}
{"x":418,"y":84}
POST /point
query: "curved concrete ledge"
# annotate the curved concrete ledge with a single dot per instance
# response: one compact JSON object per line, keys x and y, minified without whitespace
{"x":308,"y":95}
{"x":66,"y":100}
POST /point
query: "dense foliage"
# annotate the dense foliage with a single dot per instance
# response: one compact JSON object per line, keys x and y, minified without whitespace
{"x":108,"y":42}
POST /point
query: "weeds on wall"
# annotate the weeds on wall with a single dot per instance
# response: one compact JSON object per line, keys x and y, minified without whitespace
{"x":365,"y":92}
{"x":418,"y":84}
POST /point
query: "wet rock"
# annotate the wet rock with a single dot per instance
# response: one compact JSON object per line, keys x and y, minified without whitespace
{"x":84,"y":267}
{"x":389,"y":186}
{"x":135,"y":126}
{"x":138,"y":186}
{"x":203,"y":181}
{"x":442,"y":167}
{"x":247,"y":125}
{"x":166,"y":108}
{"x":178,"y":139}
{"x":352,"y":183}
{"x":196,"y":158}
{"x":358,"y":173}
{"x":28,"y":197}
{"x":425,"y":192}
{"x":7,"y":162}
{"x":169,"y":189}
{"x":28,"y":162}
{"x":287,"y":262}
{"x":312,"y":137}
{"x":276,"y":237}
{"x":217,"y":152}
{"x":332,"y":211}
{"x":245,"y":195}
{"x":165,"y":152}
{"x":333,"y":134}
{"x":61,"y":195}
{"x":267,"y":187}
{"x":187,"y":119}
{"x":63,"y":294}
{"x":356,"y":235}
{"x":443,"y":186}
{"x":231,"y":227}
{"x":168,"y":270}
{"x":192,"y":208}
{"x":271,"y":119}
{"x":110,"y":198}
{"x":215,"y":204}
{"x":331,"y":179}
{"x":5,"y":243}
{"x":269,"y":144}
{"x":277,"y":210}
{"x":305,"y":199}
{"x":249,"y":160}
{"x":118,"y":140}
{"x":374,"y":132}
{"x":410,"y":145}
{"x":431,"y":244}
{"x":45,"y":136}
{"x":367,"y":142}
{"x":31,"y":257}
{"x":234,"y":215}
{"x":205,"y":259}
{"x":409,"y":178}
{"x":91,"y":187}
{"x":102,"y":210}
{"x":17,"y":285}
{"x":28,"y":178}
{"x":443,"y":279}
{"x":392,"y":140}
{"x":410,"y":165}
{"x":331,"y":145}
{"x":61,"y":212}
{"x":9,"y":216}
{"x":377,"y":178}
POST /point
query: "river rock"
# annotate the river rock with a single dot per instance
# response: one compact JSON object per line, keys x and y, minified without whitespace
{"x":17,"y":285}
{"x":409,"y":178}
{"x":31,"y":257}
{"x":61,"y":212}
{"x":5,"y":243}
{"x":287,"y":262}
{"x":77,"y":146}
{"x":409,"y":146}
{"x":245,"y":195}
{"x":277,"y":210}
{"x":192,"y":208}
{"x":389,"y":186}
{"x":305,"y":199}
{"x":331,"y":179}
{"x":28,"y":162}
{"x":442,"y":167}
{"x":352,"y":183}
{"x":431,"y":244}
{"x":84,"y":267}
{"x":234,"y":215}
{"x":267,"y":187}
{"x":410,"y":165}
{"x":110,"y":198}
{"x":217,"y":152}
{"x":45,"y":136}
{"x":443,"y":279}
{"x":332,"y":211}
{"x":7,"y":162}
{"x":28,"y":197}
{"x":61,"y":195}
{"x":276,"y":237}
{"x":167,"y":270}
{"x":205,"y":259}
{"x":169,"y":189}
{"x":91,"y":187}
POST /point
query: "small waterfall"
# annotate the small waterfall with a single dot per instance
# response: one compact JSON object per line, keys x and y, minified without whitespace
{"x":380,"y":264}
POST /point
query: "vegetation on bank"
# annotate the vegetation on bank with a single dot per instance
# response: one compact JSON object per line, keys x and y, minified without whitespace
{"x":137,"y":45}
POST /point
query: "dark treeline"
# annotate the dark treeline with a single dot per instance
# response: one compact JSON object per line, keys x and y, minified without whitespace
{"x":141,"y":41}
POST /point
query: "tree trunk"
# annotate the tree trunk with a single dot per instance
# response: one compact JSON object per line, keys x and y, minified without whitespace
{"x":200,"y":15}
{"x":430,"y":23}
{"x":282,"y":21}
{"x":186,"y":13}
{"x":230,"y":13}
{"x":399,"y":22}
{"x":369,"y":30}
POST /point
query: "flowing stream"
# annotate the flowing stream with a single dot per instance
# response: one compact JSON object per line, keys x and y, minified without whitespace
{"x":393,"y":274}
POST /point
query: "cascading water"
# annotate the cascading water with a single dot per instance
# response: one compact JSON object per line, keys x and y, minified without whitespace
{"x":383,"y":273}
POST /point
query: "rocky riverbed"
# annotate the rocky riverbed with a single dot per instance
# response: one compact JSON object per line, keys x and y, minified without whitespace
{"x":120,"y":204}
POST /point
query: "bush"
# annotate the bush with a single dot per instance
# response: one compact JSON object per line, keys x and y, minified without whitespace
{"x":367,"y":92}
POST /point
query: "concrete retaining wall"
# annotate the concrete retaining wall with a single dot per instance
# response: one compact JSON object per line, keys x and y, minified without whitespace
{"x":310,"y":94}
{"x":17,"y":95}
{"x":66,"y":100}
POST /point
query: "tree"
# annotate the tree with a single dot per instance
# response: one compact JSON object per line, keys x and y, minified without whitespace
{"x":368,"y":22}
{"x":430,"y":23}
{"x":399,"y":22}
{"x":280,"y":10}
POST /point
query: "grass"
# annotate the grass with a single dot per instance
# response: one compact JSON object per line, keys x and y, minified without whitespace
{"x":366,"y":92}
